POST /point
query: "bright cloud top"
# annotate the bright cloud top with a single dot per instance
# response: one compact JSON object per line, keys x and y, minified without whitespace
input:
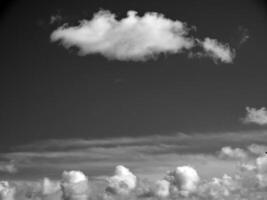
{"x":122,"y":182}
{"x":218,"y":51}
{"x":135,"y":38}
{"x":255,"y":116}
{"x":75,"y":185}
{"x":184,"y":179}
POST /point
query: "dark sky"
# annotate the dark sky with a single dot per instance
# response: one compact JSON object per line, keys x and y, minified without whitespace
{"x":49,"y":92}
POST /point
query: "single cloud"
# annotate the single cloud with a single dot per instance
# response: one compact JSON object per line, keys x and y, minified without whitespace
{"x":217,"y":50}
{"x":8,"y":167}
{"x":255,"y":116}
{"x":257,"y":149}
{"x":184,"y":179}
{"x":131,"y":38}
{"x":162,"y":188}
{"x":50,"y":187}
{"x":229,"y":152}
{"x":136,"y":38}
{"x":75,"y":185}
{"x":122,"y":182}
{"x":7,"y":192}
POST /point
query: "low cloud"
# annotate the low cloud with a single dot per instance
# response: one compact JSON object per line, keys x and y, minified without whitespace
{"x":123,"y":181}
{"x":162,"y":189}
{"x":184,"y":179}
{"x":131,"y":38}
{"x":228,"y":152}
{"x":75,"y":185}
{"x":8,"y":167}
{"x":255,"y":116}
{"x":136,"y":38}
{"x":181,"y":183}
{"x":218,"y":51}
{"x":6,"y":191}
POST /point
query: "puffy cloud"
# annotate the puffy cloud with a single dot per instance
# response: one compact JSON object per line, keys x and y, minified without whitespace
{"x":75,"y":185}
{"x":162,"y":188}
{"x":50,"y":187}
{"x":122,"y":182}
{"x":185,"y":179}
{"x":257,"y":149}
{"x":261,"y":163}
{"x":55,"y":19}
{"x":220,"y":188}
{"x":217,"y":50}
{"x":7,"y":192}
{"x":136,"y":38}
{"x":237,"y":153}
{"x":131,"y":38}
{"x":255,"y":116}
{"x":8,"y":167}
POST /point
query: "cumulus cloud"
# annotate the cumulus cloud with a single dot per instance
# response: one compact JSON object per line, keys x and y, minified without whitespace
{"x":229,"y":152}
{"x":8,"y":167}
{"x":135,"y":38}
{"x":7,"y":192}
{"x":257,"y":149}
{"x":49,"y":187}
{"x":185,"y":179}
{"x":162,"y":188}
{"x":131,"y":38}
{"x":181,"y":183}
{"x":75,"y":185}
{"x":255,"y":116}
{"x":217,"y":50}
{"x":122,"y":182}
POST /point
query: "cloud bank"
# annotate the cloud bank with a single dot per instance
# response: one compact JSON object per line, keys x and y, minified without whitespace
{"x":181,"y":183}
{"x":136,"y":38}
{"x":255,"y":116}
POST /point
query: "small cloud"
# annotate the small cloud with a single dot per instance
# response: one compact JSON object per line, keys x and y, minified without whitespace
{"x":257,"y":149}
{"x":8,"y":168}
{"x":255,"y":116}
{"x":7,"y":192}
{"x":244,"y":35}
{"x":217,"y":51}
{"x":50,"y":187}
{"x":162,"y":188}
{"x":55,"y":19}
{"x":75,"y":185}
{"x":184,"y":179}
{"x":228,"y":152}
{"x":122,"y":182}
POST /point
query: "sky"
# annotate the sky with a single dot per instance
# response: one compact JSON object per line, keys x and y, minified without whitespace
{"x":150,"y":85}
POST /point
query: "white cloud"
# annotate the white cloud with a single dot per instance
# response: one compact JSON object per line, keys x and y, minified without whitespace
{"x":131,"y":38}
{"x":7,"y":192}
{"x":261,"y":163}
{"x":217,"y":50}
{"x":122,"y":182}
{"x":255,"y":116}
{"x":162,"y":188}
{"x":136,"y":38}
{"x":49,"y":187}
{"x":257,"y":149}
{"x":182,"y":183}
{"x":8,"y":167}
{"x":229,"y":152}
{"x":185,"y":179}
{"x":75,"y":185}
